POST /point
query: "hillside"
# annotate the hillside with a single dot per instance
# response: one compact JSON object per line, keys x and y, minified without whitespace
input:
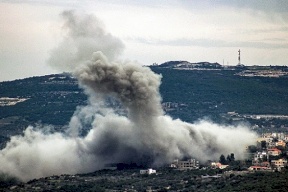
{"x":224,"y":96}
{"x":50,"y":99}
{"x":187,"y":94}
{"x":209,"y":92}
{"x":166,"y":179}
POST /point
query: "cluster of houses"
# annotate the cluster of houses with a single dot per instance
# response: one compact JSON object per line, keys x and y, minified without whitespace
{"x":272,"y":153}
{"x":262,"y":73}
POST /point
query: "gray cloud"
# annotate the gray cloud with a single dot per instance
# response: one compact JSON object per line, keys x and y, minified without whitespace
{"x":266,"y":6}
{"x":274,"y":10}
{"x":276,"y":6}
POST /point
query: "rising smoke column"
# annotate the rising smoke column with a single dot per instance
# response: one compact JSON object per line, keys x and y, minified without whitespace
{"x":144,"y":135}
{"x":155,"y":136}
{"x":84,"y":34}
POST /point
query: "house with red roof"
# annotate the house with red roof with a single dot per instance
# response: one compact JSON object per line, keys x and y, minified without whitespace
{"x":274,"y":152}
{"x":258,"y":168}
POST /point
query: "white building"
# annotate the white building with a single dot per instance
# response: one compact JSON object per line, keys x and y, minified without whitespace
{"x":280,"y":163}
{"x":218,"y":165}
{"x":260,"y":155}
{"x":148,"y":171}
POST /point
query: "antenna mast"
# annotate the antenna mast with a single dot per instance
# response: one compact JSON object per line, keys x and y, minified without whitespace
{"x":239,"y":61}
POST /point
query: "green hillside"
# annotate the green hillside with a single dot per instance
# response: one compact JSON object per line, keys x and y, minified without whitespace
{"x":51,"y":99}
{"x":212,"y":92}
{"x":192,"y":94}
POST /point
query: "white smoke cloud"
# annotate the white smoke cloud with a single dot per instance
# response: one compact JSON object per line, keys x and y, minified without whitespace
{"x":142,"y":133}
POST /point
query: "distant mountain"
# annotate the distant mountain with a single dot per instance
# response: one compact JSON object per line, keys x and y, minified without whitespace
{"x":172,"y":63}
{"x":186,"y":64}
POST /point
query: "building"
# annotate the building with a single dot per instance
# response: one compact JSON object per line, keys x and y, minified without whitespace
{"x":270,"y":142}
{"x":258,"y":168}
{"x":280,"y":163}
{"x":260,"y":155}
{"x":218,"y":165}
{"x":285,"y":138}
{"x":184,"y":165}
{"x":281,"y":143}
{"x":148,"y":171}
{"x":260,"y":163}
{"x":274,"y":152}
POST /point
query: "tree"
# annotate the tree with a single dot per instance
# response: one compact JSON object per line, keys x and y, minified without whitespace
{"x":222,"y":160}
{"x":252,"y":148}
{"x":232,"y":157}
{"x":228,"y":159}
{"x":263,"y":144}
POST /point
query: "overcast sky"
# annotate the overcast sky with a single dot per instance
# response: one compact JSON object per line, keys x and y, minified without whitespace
{"x":152,"y":31}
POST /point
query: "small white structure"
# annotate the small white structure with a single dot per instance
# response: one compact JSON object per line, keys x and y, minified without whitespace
{"x":260,"y":155}
{"x":218,"y":165}
{"x":147,"y":171}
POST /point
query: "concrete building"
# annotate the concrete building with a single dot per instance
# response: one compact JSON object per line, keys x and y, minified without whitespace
{"x":184,"y":165}
{"x":260,"y":155}
{"x":278,"y":164}
{"x":281,"y":143}
{"x":261,"y":163}
{"x":274,"y":152}
{"x":258,"y":168}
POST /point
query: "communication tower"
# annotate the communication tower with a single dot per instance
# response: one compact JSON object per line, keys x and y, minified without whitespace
{"x":239,"y":61}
